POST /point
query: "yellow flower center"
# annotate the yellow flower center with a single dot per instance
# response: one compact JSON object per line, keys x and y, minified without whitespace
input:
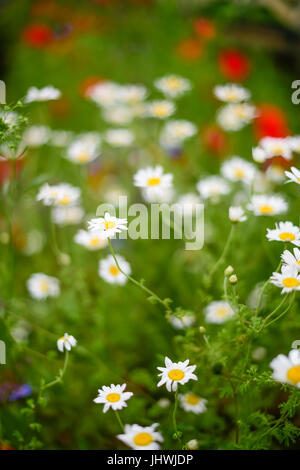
{"x":94,"y":241}
{"x":231,"y":95}
{"x":298,"y":261}
{"x":290,"y":282}
{"x":64,"y":201}
{"x":222,"y":312}
{"x":83,"y":157}
{"x":44,"y":286}
{"x":108,"y":224}
{"x":287,"y":236}
{"x":160,"y":110}
{"x":176,"y":374}
{"x":293,"y":375}
{"x":277,"y":150}
{"x":113,"y":397}
{"x":114,"y":270}
{"x":143,"y":439}
{"x":153,"y":181}
{"x":266,"y":209}
{"x":192,"y":399}
{"x":239,"y":173}
{"x":173,"y":83}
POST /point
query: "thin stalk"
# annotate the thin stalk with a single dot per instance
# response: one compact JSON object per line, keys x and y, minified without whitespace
{"x":174,"y":417}
{"x":119,"y":419}
{"x":223,"y":255}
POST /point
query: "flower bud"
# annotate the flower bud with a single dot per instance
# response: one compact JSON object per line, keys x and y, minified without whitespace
{"x":233,"y":279}
{"x":202,"y":329}
{"x":228,"y":271}
{"x":192,"y":444}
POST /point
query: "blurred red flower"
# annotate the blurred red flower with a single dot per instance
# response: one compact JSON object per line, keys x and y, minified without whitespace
{"x":190,"y":49}
{"x":234,"y":64}
{"x":215,"y":139}
{"x":37,"y":35}
{"x":270,"y":122}
{"x":205,"y":28}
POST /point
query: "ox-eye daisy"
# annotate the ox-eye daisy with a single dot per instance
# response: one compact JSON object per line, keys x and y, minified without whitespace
{"x":284,"y":232}
{"x":41,"y":286}
{"x":153,"y":181}
{"x":231,"y":93}
{"x":237,"y":169}
{"x":291,"y":259}
{"x":293,"y":175}
{"x":119,"y":137}
{"x":67,"y":215}
{"x":276,"y":147}
{"x":109,"y":271}
{"x":236,"y":214}
{"x":66,"y":342}
{"x":82,"y":151}
{"x":160,"y":109}
{"x":286,"y":369}
{"x":42,"y":94}
{"x":141,"y":437}
{"x":176,"y":132}
{"x":218,"y":312}
{"x":176,"y":373}
{"x":263,"y":204}
{"x":109,"y":225}
{"x":62,"y":194}
{"x":212,"y":187}
{"x":172,"y":85}
{"x":113,"y":397}
{"x":288,"y":279}
{"x":234,"y":116}
{"x":90,"y":240}
{"x":192,"y":402}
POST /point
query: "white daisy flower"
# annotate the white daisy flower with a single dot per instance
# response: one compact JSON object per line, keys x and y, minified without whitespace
{"x":276,"y":146}
{"x":91,"y":240}
{"x":185,"y":321}
{"x":237,"y":169}
{"x":132,"y":94}
{"x":212,"y":187}
{"x":295,"y":143}
{"x":175,"y":132}
{"x":275,"y":173}
{"x":231,"y":93}
{"x":109,"y":271}
{"x":259,"y":155}
{"x":160,"y":109}
{"x":218,"y":312}
{"x":286,"y":369}
{"x":263,"y":204}
{"x":9,"y":117}
{"x":293,"y":175}
{"x":284,"y":232}
{"x":141,"y":437}
{"x":104,"y":93}
{"x":119,"y":137}
{"x":46,"y":93}
{"x":118,"y":114}
{"x":189,"y":203}
{"x":67,"y":195}
{"x":113,"y":397}
{"x":192,"y":402}
{"x":172,"y":85}
{"x":153,"y":182}
{"x":41,"y":286}
{"x":234,"y":117}
{"x":175,"y":373}
{"x":66,"y":342}
{"x":236,"y":214}
{"x":109,"y":225}
{"x":60,"y":138}
{"x":288,"y":279}
{"x":35,"y":136}
{"x":291,"y":259}
{"x":72,"y":215}
{"x":82,"y":151}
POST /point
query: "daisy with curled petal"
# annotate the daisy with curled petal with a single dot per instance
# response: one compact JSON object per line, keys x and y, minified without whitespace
{"x":175,"y":373}
{"x":291,"y":259}
{"x":109,"y":271}
{"x":141,"y":437}
{"x":212,"y":187}
{"x":237,"y":169}
{"x":236,"y":214}
{"x":153,"y":182}
{"x":192,"y":402}
{"x":284,"y":232}
{"x":66,"y":342}
{"x":41,"y":286}
{"x":231,"y":93}
{"x":113,"y":397}
{"x":91,"y":240}
{"x":109,"y":225}
{"x":286,"y":369}
{"x":293,"y":175}
{"x":119,"y":137}
{"x":160,"y":109}
{"x":218,"y":312}
{"x":263,"y":204}
{"x":172,"y":85}
{"x":288,"y":279}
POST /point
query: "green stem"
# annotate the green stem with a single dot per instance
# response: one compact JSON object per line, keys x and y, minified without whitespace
{"x":264,"y":288}
{"x":119,"y":419}
{"x":223,"y":255}
{"x":282,"y":313}
{"x":59,"y":378}
{"x":174,"y":418}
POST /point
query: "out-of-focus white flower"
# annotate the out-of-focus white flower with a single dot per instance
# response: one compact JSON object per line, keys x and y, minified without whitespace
{"x":275,"y":173}
{"x":288,"y":279}
{"x":109,"y":271}
{"x":175,"y":132}
{"x":119,"y":137}
{"x":41,"y":286}
{"x":233,"y":117}
{"x":9,"y":117}
{"x":163,"y":402}
{"x":175,"y":373}
{"x":173,"y":85}
{"x":275,"y":147}
{"x":113,"y":397}
{"x":46,"y":93}
{"x":35,"y":136}
{"x":258,"y":354}
{"x":60,"y":138}
{"x":293,"y":175}
{"x":21,"y":331}
{"x":259,"y":155}
{"x":82,"y":151}
{"x":189,"y":203}
{"x":90,"y":240}
{"x":35,"y":241}
{"x":237,"y":169}
{"x":218,"y":312}
{"x":104,"y":93}
{"x":72,"y":215}
{"x":284,"y":232}
{"x":236,"y":214}
{"x":295,"y":143}
{"x":141,"y":437}
{"x":231,"y":93}
{"x":154,"y":183}
{"x":108,"y":225}
{"x":185,"y":321}
{"x":263,"y":204}
{"x":212,"y":187}
{"x":132,"y":94}
{"x":66,"y":342}
{"x":193,"y":444}
{"x":118,"y":114}
{"x":62,"y":194}
{"x":192,"y":402}
{"x":286,"y":369}
{"x":160,"y":109}
{"x":291,"y":259}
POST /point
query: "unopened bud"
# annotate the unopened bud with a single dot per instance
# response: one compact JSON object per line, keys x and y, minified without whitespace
{"x":64,"y":259}
{"x":202,"y":329}
{"x":228,"y":271}
{"x":233,"y":279}
{"x":192,"y":444}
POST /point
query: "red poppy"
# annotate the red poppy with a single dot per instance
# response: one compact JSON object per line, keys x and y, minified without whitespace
{"x":234,"y":64}
{"x":270,"y":122}
{"x":190,"y":49}
{"x":88,"y":83}
{"x":204,"y":27}
{"x":215,"y":139}
{"x":38,"y":35}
